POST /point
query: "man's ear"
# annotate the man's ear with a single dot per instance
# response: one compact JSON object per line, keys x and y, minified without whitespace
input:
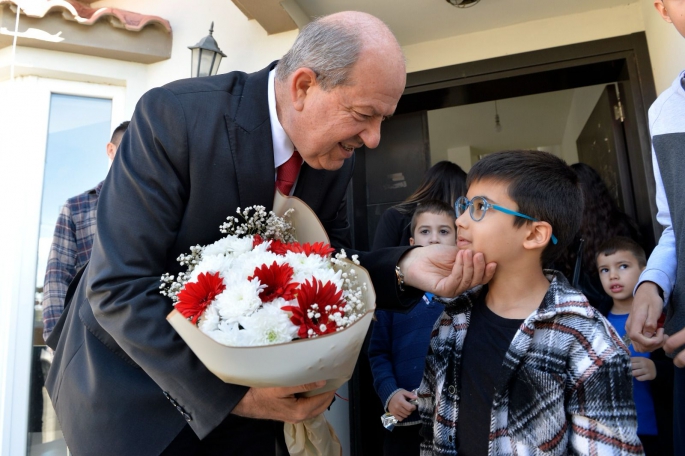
{"x":659,"y":5}
{"x":301,"y":81}
{"x":111,"y":150}
{"x":539,"y":235}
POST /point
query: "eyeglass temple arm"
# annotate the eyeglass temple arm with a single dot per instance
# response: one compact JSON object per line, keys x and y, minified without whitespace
{"x":518,"y":214}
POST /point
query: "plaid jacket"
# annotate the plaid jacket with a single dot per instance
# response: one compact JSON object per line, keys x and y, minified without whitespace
{"x":69,"y":252}
{"x":565,"y":386}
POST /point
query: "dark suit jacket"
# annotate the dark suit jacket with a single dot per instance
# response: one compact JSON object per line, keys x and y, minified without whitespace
{"x":122,"y":380}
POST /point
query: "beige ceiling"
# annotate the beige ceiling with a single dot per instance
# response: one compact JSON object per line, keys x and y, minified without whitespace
{"x":415,"y":21}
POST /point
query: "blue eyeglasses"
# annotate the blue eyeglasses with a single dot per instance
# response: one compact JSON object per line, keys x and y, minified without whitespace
{"x":478,"y":206}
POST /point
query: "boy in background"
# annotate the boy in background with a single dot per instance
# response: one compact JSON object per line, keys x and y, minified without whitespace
{"x":397,"y":350}
{"x":620,"y":261}
{"x":524,"y":365}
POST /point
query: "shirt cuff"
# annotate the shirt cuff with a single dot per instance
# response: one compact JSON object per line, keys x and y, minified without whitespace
{"x":658,"y":277}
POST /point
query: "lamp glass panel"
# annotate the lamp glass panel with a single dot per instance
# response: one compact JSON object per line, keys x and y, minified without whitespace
{"x":206,"y":62}
{"x":217,"y":62}
{"x":194,"y":61}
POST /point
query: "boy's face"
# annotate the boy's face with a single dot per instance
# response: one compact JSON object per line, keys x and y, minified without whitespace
{"x":434,"y":229}
{"x":495,"y":235}
{"x":672,"y":11}
{"x":619,"y":273}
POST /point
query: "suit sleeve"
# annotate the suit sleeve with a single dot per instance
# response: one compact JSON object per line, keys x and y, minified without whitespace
{"x":139,"y":214}
{"x":380,"y":264}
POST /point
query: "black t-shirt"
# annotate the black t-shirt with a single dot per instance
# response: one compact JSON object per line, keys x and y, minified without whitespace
{"x":487,"y":340}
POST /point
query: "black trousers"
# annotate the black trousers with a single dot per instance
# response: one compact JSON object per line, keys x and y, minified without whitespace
{"x":679,"y":411}
{"x":402,"y":441}
{"x":235,"y":436}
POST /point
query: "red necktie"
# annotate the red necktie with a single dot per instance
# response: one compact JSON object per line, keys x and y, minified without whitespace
{"x":286,"y":174}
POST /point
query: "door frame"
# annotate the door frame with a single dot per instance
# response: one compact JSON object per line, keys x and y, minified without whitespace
{"x":487,"y":80}
{"x":429,"y":89}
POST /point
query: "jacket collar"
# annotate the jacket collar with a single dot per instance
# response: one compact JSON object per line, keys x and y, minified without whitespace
{"x":249,"y":134}
{"x":560,"y":299}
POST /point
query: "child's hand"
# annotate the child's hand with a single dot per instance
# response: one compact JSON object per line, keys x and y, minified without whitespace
{"x":643,"y":368}
{"x":399,"y":404}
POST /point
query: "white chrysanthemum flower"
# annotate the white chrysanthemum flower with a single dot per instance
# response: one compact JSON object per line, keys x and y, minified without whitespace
{"x":269,"y":325}
{"x":304,"y":266}
{"x":232,"y":245}
{"x":210,"y":265}
{"x":240,"y":298}
{"x":209,"y":321}
{"x":329,"y":275}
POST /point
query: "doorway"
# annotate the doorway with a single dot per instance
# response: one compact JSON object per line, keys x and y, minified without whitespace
{"x":612,"y":80}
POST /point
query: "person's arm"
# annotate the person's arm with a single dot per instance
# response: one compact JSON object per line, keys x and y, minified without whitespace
{"x":600,"y":401}
{"x":380,"y":357}
{"x":656,"y":281}
{"x":389,"y":230}
{"x":60,"y":270}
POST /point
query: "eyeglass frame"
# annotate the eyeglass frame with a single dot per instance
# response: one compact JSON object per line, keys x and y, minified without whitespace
{"x":489,"y":205}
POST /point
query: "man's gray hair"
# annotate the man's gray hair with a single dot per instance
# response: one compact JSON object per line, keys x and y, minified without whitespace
{"x":329,"y":48}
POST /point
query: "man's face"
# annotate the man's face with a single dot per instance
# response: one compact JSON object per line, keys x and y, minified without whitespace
{"x":331,"y":124}
{"x":619,"y":274}
{"x":673,"y":11}
{"x":434,"y":228}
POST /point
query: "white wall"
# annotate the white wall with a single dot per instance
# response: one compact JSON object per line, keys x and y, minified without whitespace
{"x":583,"y":102}
{"x":246,"y":45}
{"x":525,"y":37}
{"x":666,"y":47}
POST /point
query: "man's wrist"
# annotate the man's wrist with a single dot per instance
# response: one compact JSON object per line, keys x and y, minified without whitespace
{"x":650,"y":286}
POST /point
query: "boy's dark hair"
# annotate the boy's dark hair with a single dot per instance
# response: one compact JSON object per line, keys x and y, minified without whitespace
{"x":433,"y":207}
{"x":617,"y":243}
{"x":543,"y":186}
{"x":119,"y":132}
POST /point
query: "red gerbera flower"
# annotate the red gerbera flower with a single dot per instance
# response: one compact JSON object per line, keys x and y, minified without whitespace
{"x":319,"y":248}
{"x":194,"y":298}
{"x":278,"y":247}
{"x":308,"y":249}
{"x":277,"y":280}
{"x":317,"y":304}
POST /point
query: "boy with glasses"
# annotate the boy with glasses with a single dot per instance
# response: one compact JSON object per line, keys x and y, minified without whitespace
{"x":524,"y":365}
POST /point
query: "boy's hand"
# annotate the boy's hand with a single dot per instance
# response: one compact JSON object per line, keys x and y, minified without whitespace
{"x":642,"y":324}
{"x":643,"y":368}
{"x":445,"y":270}
{"x":400,"y":406}
{"x":674,"y":342}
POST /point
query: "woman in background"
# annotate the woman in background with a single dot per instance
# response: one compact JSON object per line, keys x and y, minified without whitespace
{"x":602,"y":220}
{"x":444,"y":181}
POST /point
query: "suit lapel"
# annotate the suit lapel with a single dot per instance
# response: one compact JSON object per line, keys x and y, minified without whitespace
{"x":309,"y":186}
{"x":249,"y":135}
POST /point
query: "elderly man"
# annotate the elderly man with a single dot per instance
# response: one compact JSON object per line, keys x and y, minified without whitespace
{"x":122,"y":381}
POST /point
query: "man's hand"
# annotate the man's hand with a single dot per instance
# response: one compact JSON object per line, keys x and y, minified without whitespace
{"x":444,"y":270}
{"x":400,"y":406}
{"x":673,"y":343}
{"x":643,"y":368}
{"x":284,"y":404}
{"x":642,"y":321}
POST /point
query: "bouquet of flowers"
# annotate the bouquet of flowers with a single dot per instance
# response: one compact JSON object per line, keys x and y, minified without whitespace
{"x":262,"y":309}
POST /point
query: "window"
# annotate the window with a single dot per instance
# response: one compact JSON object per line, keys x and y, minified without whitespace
{"x":79,"y":129}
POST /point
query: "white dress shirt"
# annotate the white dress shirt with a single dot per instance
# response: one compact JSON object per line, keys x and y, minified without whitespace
{"x":283,"y":146}
{"x":666,"y":115}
